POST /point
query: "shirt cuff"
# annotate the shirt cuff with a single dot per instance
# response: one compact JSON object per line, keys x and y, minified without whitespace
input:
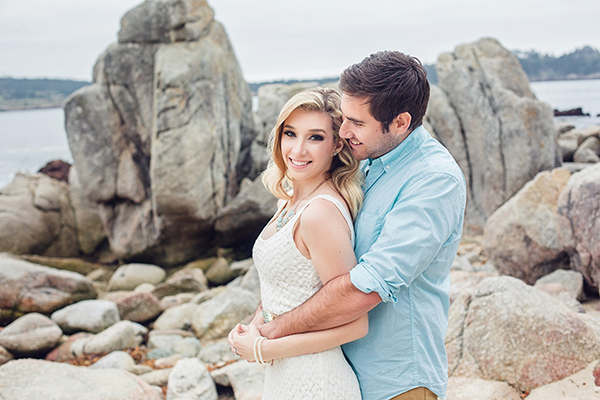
{"x":366,"y":280}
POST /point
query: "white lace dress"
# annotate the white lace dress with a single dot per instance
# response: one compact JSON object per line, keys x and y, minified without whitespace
{"x":288,"y":279}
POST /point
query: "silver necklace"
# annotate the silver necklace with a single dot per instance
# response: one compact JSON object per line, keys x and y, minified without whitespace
{"x":287,"y":214}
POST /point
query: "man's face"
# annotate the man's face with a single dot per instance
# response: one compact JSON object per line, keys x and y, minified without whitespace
{"x":363,"y":132}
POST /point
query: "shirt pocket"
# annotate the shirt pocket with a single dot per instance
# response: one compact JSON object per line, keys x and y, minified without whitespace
{"x":368,"y":228}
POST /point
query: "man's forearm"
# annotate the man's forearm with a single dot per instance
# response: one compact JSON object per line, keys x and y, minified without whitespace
{"x":335,"y":304}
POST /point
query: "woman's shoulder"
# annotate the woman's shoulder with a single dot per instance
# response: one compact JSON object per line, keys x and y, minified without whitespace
{"x":326,"y":207}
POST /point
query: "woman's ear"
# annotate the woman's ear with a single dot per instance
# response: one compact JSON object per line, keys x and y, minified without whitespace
{"x":338,"y":147}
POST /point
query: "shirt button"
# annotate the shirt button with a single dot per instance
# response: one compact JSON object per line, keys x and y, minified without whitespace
{"x":387,"y":167}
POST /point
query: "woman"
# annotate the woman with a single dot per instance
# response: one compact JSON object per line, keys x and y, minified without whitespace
{"x":308,"y":241}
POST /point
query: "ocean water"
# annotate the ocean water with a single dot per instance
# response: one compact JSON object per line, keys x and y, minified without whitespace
{"x":567,"y":95}
{"x":29,"y":139}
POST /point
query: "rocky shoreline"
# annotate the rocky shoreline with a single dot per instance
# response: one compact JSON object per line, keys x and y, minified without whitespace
{"x":122,"y":279}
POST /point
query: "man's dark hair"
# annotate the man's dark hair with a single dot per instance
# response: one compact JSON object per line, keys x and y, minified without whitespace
{"x":393,"y":83}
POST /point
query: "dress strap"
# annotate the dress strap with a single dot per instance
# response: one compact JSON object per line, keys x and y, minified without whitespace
{"x":340,"y":207}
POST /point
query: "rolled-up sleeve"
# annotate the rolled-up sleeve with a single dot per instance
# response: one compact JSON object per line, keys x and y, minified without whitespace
{"x":423,"y":218}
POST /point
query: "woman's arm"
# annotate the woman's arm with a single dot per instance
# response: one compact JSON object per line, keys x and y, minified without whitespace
{"x":242,"y":338}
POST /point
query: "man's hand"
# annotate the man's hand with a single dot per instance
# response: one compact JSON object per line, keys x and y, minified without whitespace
{"x":270,"y":330}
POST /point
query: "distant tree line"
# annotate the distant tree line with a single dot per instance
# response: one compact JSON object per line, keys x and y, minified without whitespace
{"x":583,"y":63}
{"x":19,"y":94}
{"x":11,"y":88}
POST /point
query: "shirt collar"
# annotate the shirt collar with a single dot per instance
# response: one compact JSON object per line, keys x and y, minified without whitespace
{"x":398,"y":153}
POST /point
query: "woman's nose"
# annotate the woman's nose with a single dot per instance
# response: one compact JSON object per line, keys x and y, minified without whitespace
{"x":299,"y":147}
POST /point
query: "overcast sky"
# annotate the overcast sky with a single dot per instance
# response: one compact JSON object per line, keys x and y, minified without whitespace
{"x":276,"y":39}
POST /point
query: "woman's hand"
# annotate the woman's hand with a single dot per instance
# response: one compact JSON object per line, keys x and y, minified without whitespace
{"x":241,"y":338}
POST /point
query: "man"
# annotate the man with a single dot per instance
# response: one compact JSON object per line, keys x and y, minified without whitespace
{"x":407,"y":231}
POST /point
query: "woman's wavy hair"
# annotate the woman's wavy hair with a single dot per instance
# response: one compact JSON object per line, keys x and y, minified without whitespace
{"x":344,"y":172}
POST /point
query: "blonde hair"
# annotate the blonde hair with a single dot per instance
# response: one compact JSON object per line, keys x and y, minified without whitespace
{"x":344,"y":172}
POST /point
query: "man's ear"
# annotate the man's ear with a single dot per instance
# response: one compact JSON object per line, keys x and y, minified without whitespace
{"x":401,"y":123}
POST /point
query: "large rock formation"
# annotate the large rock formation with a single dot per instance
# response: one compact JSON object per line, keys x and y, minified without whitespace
{"x":161,"y":139}
{"x":579,"y":220}
{"x":485,"y":113}
{"x":522,"y":237}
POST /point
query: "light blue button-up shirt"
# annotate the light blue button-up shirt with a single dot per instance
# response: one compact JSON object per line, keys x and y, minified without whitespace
{"x":407,"y":234}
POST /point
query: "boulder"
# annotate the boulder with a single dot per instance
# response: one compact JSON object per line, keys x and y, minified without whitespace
{"x":480,"y":389}
{"x":120,"y":360}
{"x":534,"y":339}
{"x":183,"y":281}
{"x":5,"y":356}
{"x":568,"y":145}
{"x":162,"y":138}
{"x":57,"y":169}
{"x":35,"y":379}
{"x":89,"y":315}
{"x":217,"y":353}
{"x":36,"y":217}
{"x":63,"y":352}
{"x":177,"y":317}
{"x":490,"y":120}
{"x":579,"y":386}
{"x":68,"y":264}
{"x":240,"y":222}
{"x":26,"y":287}
{"x":522,"y":237}
{"x":220,"y":273}
{"x":176,"y":300}
{"x":139,"y":307}
{"x":31,"y":335}
{"x":572,"y":281}
{"x":120,"y":336}
{"x":588,"y":151}
{"x":213,"y":319}
{"x":190,"y":379}
{"x":129,"y":276}
{"x":248,"y":281}
{"x":157,"y":377}
{"x":465,"y":282}
{"x":246,"y":379}
{"x":169,"y":343}
{"x":578,"y":208}
{"x":590,"y":131}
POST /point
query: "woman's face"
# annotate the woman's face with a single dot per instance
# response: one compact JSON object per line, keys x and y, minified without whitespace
{"x":308,"y":145}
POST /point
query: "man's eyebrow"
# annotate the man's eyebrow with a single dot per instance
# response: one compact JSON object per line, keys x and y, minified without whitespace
{"x":356,"y":121}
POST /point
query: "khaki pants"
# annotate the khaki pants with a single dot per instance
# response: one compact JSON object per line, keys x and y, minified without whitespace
{"x":419,"y":393}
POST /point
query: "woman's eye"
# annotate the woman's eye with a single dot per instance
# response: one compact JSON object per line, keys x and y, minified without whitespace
{"x":289,"y":133}
{"x":318,"y":138}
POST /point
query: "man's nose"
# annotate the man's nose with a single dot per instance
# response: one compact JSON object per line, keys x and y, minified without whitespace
{"x":344,"y":130}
